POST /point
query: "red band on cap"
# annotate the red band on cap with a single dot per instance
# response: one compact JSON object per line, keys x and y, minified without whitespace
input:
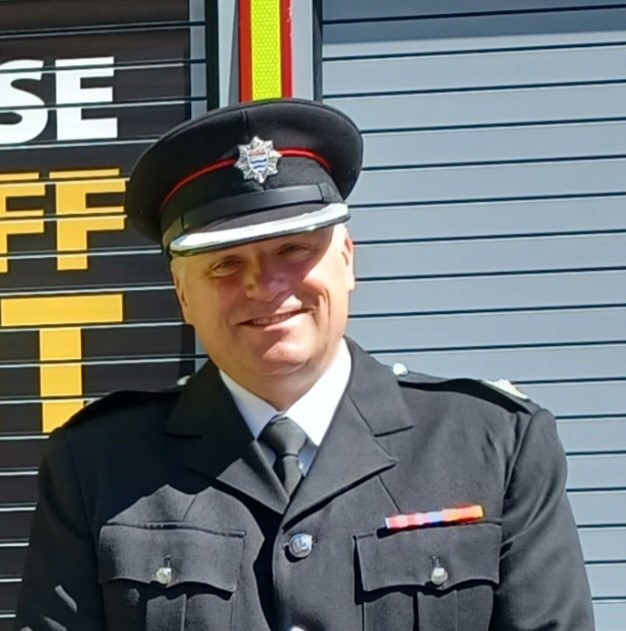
{"x":216,"y":166}
{"x":305,"y":153}
{"x":229,"y":162}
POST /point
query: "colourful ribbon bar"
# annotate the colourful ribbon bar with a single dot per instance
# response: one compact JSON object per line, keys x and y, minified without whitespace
{"x":445,"y":516}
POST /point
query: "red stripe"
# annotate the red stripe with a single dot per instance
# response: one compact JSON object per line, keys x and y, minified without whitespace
{"x":245,"y":50}
{"x":229,"y":162}
{"x":216,"y":166}
{"x":286,"y":50}
{"x":305,"y":153}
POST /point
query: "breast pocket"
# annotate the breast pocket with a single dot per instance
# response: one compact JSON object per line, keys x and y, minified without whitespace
{"x":430,"y":579}
{"x":168,"y":576}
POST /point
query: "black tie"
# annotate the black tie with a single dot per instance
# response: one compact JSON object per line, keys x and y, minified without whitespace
{"x":286,"y":438}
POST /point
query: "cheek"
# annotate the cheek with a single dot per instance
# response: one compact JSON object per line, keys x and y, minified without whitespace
{"x":331,"y":289}
{"x":205,"y":308}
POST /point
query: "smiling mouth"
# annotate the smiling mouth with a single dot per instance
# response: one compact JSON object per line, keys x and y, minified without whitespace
{"x":275,"y":319}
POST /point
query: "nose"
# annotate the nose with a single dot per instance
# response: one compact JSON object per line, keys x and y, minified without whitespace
{"x":265,"y":282}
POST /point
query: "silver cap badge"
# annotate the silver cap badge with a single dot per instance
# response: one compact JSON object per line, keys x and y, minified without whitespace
{"x":258,"y":160}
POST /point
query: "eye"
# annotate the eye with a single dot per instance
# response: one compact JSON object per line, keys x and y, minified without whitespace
{"x":295,"y":251}
{"x":224,"y":267}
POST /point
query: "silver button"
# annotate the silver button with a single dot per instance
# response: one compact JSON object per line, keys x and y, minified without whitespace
{"x":300,"y":545}
{"x":399,"y":369}
{"x":163,"y":575}
{"x":439,"y":575}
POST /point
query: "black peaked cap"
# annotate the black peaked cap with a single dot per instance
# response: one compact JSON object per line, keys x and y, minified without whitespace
{"x":188,"y":182}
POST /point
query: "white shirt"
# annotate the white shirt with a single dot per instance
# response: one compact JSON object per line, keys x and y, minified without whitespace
{"x":313,"y":411}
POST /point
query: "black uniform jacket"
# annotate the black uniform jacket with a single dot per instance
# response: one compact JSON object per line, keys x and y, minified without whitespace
{"x":160,"y":512}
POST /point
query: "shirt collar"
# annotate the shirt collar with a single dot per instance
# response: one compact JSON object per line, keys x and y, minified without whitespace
{"x":313,"y":411}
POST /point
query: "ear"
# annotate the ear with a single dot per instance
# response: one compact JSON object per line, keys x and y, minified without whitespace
{"x":178,"y":276}
{"x":347,"y":253}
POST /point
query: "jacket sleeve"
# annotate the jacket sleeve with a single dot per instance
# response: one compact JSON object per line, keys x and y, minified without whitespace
{"x":543,"y":584}
{"x":60,"y":590}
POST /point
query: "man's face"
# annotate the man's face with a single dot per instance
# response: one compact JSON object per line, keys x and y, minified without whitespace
{"x":270,"y":308}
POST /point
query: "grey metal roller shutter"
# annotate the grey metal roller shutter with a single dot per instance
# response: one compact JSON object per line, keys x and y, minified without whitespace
{"x":491,"y":217}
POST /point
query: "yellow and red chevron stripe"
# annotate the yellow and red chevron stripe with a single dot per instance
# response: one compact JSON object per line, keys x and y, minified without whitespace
{"x":265,"y":55}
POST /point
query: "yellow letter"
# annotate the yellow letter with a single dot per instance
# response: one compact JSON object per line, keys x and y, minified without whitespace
{"x":72,"y":198}
{"x":60,"y":346}
{"x":18,"y":221}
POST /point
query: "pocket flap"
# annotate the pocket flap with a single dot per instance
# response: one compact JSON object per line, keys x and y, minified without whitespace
{"x":406,"y":558}
{"x":137,"y":552}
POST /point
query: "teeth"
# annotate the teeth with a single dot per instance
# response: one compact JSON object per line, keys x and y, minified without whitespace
{"x":272,"y":320}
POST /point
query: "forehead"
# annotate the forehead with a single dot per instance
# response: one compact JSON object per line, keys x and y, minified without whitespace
{"x":318,"y":237}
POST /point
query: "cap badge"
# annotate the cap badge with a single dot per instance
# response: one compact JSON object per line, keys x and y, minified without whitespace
{"x":258,"y":160}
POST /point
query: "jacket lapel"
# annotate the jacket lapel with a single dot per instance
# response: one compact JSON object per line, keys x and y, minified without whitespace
{"x":210,"y":436}
{"x":372,"y":406}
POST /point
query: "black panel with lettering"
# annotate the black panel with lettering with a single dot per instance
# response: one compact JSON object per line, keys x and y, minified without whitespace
{"x":17,"y":15}
{"x":86,"y":303}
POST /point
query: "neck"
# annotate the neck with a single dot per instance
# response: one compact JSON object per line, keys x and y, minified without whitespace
{"x":282,"y":389}
{"x":281,"y":398}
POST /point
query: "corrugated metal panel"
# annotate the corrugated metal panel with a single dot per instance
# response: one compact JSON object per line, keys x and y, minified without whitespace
{"x":521,"y":364}
{"x":480,"y":292}
{"x":491,"y":330}
{"x":491,"y":182}
{"x":589,"y":435}
{"x":359,"y":10}
{"x":511,"y":30}
{"x":490,"y":217}
{"x":467,"y":219}
{"x":497,"y":255}
{"x":154,"y":74}
{"x":475,"y":71}
{"x":548,"y":104}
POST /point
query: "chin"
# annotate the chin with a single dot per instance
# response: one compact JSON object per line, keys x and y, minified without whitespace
{"x":281,"y":363}
{"x":284,"y":358}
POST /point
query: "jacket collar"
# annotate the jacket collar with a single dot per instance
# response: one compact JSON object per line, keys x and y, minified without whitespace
{"x":374,"y":391}
{"x":211,"y":437}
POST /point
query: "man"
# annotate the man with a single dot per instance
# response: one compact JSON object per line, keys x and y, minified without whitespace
{"x":294,"y":482}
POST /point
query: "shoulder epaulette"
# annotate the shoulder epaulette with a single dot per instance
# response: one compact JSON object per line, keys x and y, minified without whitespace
{"x":500,"y":392}
{"x":115,"y":401}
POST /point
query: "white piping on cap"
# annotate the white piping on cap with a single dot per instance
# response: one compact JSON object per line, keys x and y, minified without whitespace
{"x":205,"y":239}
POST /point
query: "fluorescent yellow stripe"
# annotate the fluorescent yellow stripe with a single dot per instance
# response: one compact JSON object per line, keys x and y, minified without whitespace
{"x":61,"y":310}
{"x":266,"y":51}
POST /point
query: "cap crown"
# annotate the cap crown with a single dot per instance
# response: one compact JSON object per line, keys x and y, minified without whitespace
{"x":190,"y":179}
